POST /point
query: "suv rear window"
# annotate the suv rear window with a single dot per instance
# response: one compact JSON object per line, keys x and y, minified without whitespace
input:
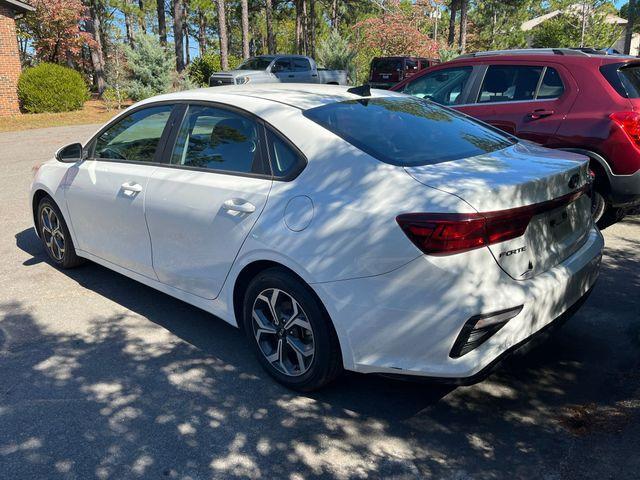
{"x":416,"y":131}
{"x":387,"y":65}
{"x":630,"y":78}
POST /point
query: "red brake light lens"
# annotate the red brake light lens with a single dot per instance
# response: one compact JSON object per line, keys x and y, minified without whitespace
{"x":630,"y":124}
{"x":449,"y":233}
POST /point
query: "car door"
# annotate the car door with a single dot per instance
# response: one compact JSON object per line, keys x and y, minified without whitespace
{"x":105,"y":192}
{"x":201,"y":206}
{"x":283,"y":69}
{"x":302,"y":71}
{"x":528,"y":101}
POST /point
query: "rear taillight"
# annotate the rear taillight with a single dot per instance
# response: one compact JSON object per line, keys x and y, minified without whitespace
{"x":630,"y":124}
{"x":449,"y":233}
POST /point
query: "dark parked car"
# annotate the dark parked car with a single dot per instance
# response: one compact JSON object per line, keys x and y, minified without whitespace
{"x":561,"y":98}
{"x":385,"y":72}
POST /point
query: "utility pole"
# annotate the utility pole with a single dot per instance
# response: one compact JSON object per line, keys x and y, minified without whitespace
{"x":631,"y":16}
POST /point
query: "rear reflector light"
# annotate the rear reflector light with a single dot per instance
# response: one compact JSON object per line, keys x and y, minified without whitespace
{"x":479,"y":329}
{"x":449,"y":233}
{"x":630,"y":124}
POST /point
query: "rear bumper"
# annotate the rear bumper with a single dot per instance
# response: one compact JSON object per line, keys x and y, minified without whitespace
{"x":405,"y":322}
{"x":625,"y":190}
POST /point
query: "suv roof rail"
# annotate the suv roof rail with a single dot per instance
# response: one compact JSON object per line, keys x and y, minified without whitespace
{"x":528,"y":51}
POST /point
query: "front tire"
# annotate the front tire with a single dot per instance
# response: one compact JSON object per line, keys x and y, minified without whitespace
{"x":55,"y":235}
{"x":290,"y":331}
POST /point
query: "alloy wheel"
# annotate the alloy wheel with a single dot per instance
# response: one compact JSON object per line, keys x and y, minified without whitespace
{"x":52,"y":233}
{"x":283,"y":332}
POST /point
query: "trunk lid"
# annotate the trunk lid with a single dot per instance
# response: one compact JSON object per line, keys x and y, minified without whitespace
{"x":520,"y":176}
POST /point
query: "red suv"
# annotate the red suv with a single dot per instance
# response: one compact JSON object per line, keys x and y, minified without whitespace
{"x":568,"y":99}
{"x":385,"y":72}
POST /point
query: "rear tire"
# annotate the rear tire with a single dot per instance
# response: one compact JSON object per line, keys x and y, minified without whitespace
{"x":290,"y":332}
{"x":609,"y":217}
{"x":55,"y":235}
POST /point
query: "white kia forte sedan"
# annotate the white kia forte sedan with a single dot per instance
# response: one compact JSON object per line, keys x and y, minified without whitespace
{"x":339,"y":228}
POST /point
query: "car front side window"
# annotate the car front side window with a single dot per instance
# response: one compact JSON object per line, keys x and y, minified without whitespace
{"x":213,"y":138}
{"x":135,"y":137}
{"x":442,"y":86}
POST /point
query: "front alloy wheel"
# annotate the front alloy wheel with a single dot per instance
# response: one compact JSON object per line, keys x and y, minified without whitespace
{"x":52,"y":234}
{"x":55,"y":235}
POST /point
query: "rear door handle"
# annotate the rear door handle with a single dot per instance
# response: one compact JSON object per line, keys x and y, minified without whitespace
{"x":239,"y":205}
{"x":291,"y":76}
{"x":131,"y":187}
{"x":539,"y":113}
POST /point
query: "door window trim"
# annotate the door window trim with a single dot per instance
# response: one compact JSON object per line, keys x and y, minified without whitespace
{"x":166,"y":144}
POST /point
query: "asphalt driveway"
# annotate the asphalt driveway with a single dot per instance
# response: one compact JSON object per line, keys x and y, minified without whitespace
{"x":102,"y":377}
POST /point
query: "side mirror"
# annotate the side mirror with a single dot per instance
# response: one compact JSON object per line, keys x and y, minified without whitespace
{"x":276,"y":68}
{"x":70,"y":154}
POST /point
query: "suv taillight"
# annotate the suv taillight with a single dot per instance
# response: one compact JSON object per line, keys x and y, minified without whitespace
{"x":630,"y":124}
{"x":449,"y":233}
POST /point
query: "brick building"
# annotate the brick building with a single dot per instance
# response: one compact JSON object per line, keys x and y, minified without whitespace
{"x":9,"y":55}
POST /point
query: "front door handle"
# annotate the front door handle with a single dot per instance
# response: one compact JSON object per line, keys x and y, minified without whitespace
{"x":539,"y":113}
{"x":291,"y":76}
{"x":239,"y":205}
{"x":131,"y":187}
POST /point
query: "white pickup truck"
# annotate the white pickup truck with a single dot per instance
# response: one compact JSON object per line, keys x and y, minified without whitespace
{"x":278,"y":68}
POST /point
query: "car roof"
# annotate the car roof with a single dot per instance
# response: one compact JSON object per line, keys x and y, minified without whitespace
{"x":298,"y":95}
{"x":563,"y":55}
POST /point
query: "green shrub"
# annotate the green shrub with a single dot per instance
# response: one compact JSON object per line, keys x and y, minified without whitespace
{"x":114,"y":98}
{"x":48,"y":87}
{"x":201,"y":68}
{"x":335,"y":53}
{"x":150,"y":68}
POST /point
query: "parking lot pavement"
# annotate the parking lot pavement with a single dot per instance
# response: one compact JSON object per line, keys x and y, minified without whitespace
{"x":102,"y":377}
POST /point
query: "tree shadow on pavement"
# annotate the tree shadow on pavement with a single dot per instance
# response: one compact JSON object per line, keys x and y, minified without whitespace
{"x":127,"y":399}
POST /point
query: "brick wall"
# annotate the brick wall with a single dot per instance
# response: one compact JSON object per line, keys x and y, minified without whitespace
{"x":9,"y":62}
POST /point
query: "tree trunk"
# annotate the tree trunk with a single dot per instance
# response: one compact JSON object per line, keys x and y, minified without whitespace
{"x":128,"y":24}
{"x":305,"y":27}
{"x":453,"y":7}
{"x":462,"y":41}
{"x":334,"y":15}
{"x":143,"y":20}
{"x":631,"y":17}
{"x":271,"y":43}
{"x":162,"y":22}
{"x":202,"y":32}
{"x":244,"y":5}
{"x":185,"y":27}
{"x":178,"y":33}
{"x":312,"y":28}
{"x":222,"y":32}
{"x":299,"y":27}
{"x":97,"y":54}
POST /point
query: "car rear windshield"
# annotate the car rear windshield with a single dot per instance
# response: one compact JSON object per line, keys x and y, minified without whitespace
{"x":407,"y":131}
{"x":387,"y":65}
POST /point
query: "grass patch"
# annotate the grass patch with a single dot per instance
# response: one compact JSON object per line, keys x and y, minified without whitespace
{"x":94,"y":111}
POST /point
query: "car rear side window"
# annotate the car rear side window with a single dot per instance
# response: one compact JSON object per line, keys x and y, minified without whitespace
{"x":217,"y":139}
{"x":301,"y":65}
{"x":407,"y":131}
{"x":509,"y":83}
{"x":285,"y":160}
{"x":551,"y":85}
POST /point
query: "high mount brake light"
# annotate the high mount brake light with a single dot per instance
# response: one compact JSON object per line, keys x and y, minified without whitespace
{"x":630,"y":124}
{"x":449,"y":233}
